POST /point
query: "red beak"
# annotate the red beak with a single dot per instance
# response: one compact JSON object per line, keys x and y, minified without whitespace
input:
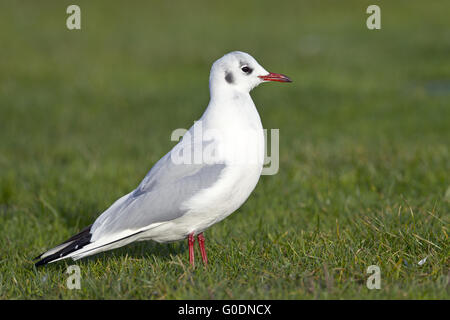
{"x":275,"y":77}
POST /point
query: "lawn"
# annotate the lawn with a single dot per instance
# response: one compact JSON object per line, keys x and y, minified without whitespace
{"x":364,"y":174}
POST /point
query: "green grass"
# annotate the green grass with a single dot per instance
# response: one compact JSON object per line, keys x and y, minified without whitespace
{"x":364,"y":146}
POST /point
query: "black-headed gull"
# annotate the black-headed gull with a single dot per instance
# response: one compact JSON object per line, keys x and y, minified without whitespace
{"x":207,"y":176}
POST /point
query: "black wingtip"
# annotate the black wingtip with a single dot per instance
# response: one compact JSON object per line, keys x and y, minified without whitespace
{"x":46,"y":260}
{"x":77,"y":242}
{"x":40,"y":263}
{"x":38,"y":257}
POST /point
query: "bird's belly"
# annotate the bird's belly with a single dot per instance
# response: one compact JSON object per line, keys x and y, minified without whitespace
{"x":244,"y":160}
{"x":210,"y":205}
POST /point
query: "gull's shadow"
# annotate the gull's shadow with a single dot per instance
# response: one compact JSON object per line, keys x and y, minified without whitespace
{"x":143,"y":250}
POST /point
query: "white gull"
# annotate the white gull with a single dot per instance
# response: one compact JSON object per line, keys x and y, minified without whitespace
{"x":186,"y":192}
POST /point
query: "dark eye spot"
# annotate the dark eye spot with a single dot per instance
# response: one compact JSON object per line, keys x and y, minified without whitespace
{"x":229,"y":77}
{"x":247,"y":69}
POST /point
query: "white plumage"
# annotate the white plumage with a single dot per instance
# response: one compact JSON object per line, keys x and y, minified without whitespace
{"x":176,"y":199}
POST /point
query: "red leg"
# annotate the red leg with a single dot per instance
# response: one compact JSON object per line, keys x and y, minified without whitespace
{"x":201,"y":243}
{"x":191,"y":240}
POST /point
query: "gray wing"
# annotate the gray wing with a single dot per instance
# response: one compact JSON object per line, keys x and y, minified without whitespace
{"x":159,"y":197}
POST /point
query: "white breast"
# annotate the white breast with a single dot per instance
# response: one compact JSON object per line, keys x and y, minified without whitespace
{"x":242,"y":140}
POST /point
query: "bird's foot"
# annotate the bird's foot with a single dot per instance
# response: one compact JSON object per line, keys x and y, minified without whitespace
{"x":191,"y":241}
{"x":201,"y":243}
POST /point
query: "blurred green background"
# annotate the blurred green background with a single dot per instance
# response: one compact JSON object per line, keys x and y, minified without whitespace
{"x":364,"y":144}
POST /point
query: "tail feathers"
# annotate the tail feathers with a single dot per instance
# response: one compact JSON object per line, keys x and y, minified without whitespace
{"x":75,"y":243}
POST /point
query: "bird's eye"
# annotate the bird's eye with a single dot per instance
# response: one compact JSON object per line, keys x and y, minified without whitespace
{"x":246,"y":69}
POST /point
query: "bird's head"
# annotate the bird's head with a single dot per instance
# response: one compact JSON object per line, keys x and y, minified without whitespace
{"x":240,"y":71}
